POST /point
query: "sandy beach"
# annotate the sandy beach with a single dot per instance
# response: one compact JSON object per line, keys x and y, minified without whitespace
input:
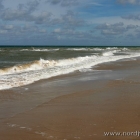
{"x":77,"y":106}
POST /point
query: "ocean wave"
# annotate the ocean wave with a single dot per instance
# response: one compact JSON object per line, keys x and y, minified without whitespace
{"x":20,"y":75}
{"x":35,"y":65}
{"x":111,"y":48}
{"x":125,"y":49}
{"x":97,"y":49}
{"x":85,"y":49}
{"x":77,"y":49}
{"x":110,"y":53}
{"x":40,"y":50}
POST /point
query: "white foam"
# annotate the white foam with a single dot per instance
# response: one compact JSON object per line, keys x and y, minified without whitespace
{"x":97,"y":49}
{"x":53,"y":68}
{"x":125,"y":49}
{"x":39,"y":50}
{"x":85,"y":49}
{"x":24,"y":50}
{"x":45,"y":50}
{"x":110,"y":53}
{"x":36,"y":65}
{"x":111,"y":48}
{"x":42,"y":133}
{"x":22,"y":127}
{"x":77,"y":49}
{"x":13,"y":125}
{"x":85,"y":70}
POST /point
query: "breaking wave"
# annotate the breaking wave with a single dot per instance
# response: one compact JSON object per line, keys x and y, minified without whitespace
{"x":40,"y":50}
{"x":20,"y":75}
{"x":35,"y":65}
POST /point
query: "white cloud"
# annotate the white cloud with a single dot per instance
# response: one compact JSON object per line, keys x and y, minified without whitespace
{"x":112,"y":29}
{"x":57,"y":30}
{"x":9,"y":27}
{"x":129,"y":1}
{"x":64,"y":2}
{"x":112,"y":20}
{"x":3,"y":31}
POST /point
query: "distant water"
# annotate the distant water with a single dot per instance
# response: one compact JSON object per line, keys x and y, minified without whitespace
{"x":24,"y":65}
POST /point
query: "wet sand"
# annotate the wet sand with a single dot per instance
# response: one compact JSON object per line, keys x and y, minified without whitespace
{"x":76,"y":106}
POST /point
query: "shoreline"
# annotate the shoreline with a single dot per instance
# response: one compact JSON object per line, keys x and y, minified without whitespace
{"x":80,"y":106}
{"x":20,"y":78}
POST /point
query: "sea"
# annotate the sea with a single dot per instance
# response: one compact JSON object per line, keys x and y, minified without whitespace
{"x":23,"y":65}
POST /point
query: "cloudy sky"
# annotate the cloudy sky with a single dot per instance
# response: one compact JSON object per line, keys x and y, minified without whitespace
{"x":70,"y":22}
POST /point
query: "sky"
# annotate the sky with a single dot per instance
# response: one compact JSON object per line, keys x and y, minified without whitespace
{"x":70,"y":22}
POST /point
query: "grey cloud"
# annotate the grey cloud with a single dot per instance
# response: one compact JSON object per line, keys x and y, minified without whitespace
{"x":22,"y":15}
{"x":1,"y":5}
{"x":71,"y":19}
{"x":30,"y":6}
{"x":71,"y":34}
{"x":132,"y":26}
{"x":43,"y":18}
{"x":69,"y":2}
{"x":112,"y":29}
{"x":8,"y":27}
{"x":137,"y":30}
{"x":20,"y":32}
{"x":129,"y":1}
{"x":133,"y":17}
{"x":24,"y":12}
{"x":54,"y":1}
{"x":21,"y":6}
{"x":68,"y":20}
{"x":130,"y":36}
{"x":109,"y":26}
{"x":9,"y":14}
{"x":65,"y":32}
{"x":64,"y":2}
{"x":3,"y":31}
{"x":28,"y":28}
{"x":42,"y":31}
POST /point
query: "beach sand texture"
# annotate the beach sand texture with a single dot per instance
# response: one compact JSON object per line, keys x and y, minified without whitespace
{"x":75,"y":106}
